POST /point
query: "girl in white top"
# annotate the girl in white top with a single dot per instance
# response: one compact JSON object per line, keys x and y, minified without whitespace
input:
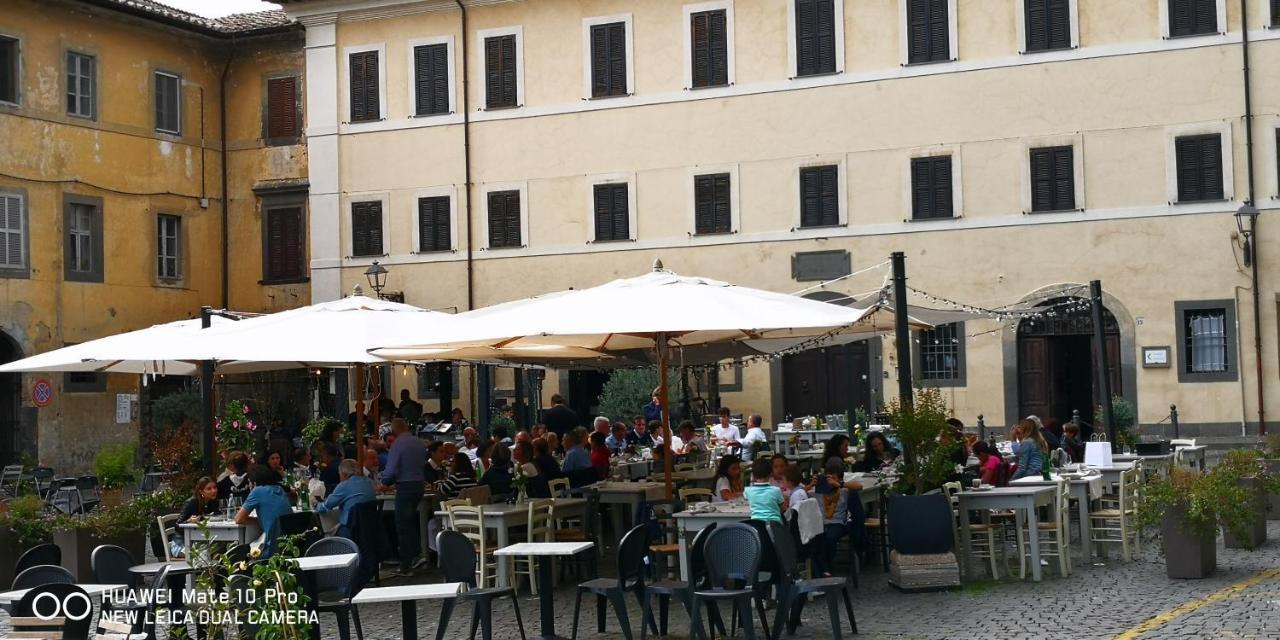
{"x":728,"y":480}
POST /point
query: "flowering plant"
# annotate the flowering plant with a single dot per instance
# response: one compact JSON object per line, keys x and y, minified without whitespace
{"x":235,"y":429}
{"x":519,"y":481}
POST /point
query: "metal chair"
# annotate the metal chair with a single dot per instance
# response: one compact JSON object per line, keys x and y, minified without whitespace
{"x":240,"y":588}
{"x":301,"y":523}
{"x":40,"y":575}
{"x":63,"y":496}
{"x":43,"y":479}
{"x":769,"y":566}
{"x":631,"y":553}
{"x":87,"y":492}
{"x":335,"y":587}
{"x":1054,"y":536}
{"x":733,"y":564}
{"x":793,"y":590}
{"x":74,"y":614}
{"x":458,"y":561}
{"x":541,"y":527}
{"x":589,"y":530}
{"x":11,"y":478}
{"x":682,"y":590}
{"x":40,"y":554}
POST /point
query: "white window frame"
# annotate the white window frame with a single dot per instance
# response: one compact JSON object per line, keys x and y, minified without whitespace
{"x":1076,"y":142}
{"x":628,"y":179}
{"x":957,"y":186}
{"x":413,"y":78}
{"x":1222,"y":20}
{"x":792,"y":55}
{"x":481,"y":36}
{"x":687,"y":12}
{"x":587,"y":23}
{"x":842,"y":190}
{"x":349,"y":227}
{"x":179,"y":258}
{"x":8,"y":270}
{"x":447,"y":191}
{"x":1020,"y":10}
{"x":178,"y":115}
{"x":93,"y":82}
{"x":735,"y":201}
{"x":17,"y":67}
{"x":485,"y":190}
{"x":1171,"y":135}
{"x":381,"y":48}
{"x":953,"y":35}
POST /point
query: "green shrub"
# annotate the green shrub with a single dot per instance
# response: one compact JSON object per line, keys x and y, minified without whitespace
{"x":114,"y":464}
{"x":176,"y":410}
{"x":1214,"y":499}
{"x":628,"y":390}
{"x":1125,"y":416}
{"x":315,"y":427}
{"x":25,"y":516}
{"x":927,"y":463}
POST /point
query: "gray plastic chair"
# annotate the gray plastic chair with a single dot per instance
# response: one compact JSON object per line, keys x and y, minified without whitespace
{"x":41,"y":575}
{"x":665,"y":589}
{"x":733,"y":565}
{"x":76,"y":611}
{"x":792,"y":589}
{"x":631,"y":570}
{"x":458,"y":561}
{"x":40,"y":554}
{"x":111,"y":565}
{"x":335,"y":587}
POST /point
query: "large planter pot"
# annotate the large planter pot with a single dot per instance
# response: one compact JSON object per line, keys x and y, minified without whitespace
{"x":1258,"y":533}
{"x":9,"y":553}
{"x":1273,"y":500}
{"x":77,"y":548}
{"x":1186,"y":556}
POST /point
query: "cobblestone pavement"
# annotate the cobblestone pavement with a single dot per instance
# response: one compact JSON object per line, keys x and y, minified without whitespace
{"x":1109,"y":601}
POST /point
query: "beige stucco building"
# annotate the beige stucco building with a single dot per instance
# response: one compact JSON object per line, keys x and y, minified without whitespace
{"x":1013,"y":149}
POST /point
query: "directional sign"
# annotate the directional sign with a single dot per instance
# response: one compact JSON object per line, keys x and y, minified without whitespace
{"x":42,"y":393}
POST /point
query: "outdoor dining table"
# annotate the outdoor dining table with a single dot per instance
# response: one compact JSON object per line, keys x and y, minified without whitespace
{"x":546,"y":592}
{"x":9,"y":598}
{"x":1084,"y":490}
{"x":628,"y":494}
{"x":408,"y":597}
{"x":220,"y":529}
{"x":503,"y":517}
{"x":1022,"y":499}
{"x":1192,"y":456}
{"x":1161,"y":462}
{"x":635,"y":469}
{"x":1111,"y":473}
{"x":810,"y":437}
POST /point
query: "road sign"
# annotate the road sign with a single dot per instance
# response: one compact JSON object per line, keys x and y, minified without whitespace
{"x":42,"y":393}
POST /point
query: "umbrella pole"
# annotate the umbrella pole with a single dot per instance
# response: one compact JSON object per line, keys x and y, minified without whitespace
{"x":360,"y":413}
{"x":206,"y":400}
{"x":666,"y":412}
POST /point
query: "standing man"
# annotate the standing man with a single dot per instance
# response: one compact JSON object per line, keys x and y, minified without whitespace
{"x":405,"y":464}
{"x":653,"y":410}
{"x":410,"y":409}
{"x":560,"y":418}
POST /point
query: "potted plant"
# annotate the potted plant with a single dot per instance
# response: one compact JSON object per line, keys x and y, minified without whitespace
{"x":236,"y":429}
{"x":926,"y":463}
{"x":115,"y":469}
{"x":315,"y":427}
{"x":22,"y":526}
{"x":78,"y":535}
{"x":1125,"y":416}
{"x":1245,"y":468}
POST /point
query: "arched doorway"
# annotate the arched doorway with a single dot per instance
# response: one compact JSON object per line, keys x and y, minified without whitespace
{"x":1056,"y":360}
{"x":829,"y":380}
{"x":10,"y":403}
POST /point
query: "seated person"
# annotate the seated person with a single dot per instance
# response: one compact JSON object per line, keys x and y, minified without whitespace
{"x":270,"y":502}
{"x":353,"y":489}
{"x":765,"y":499}
{"x":879,"y":453}
{"x":544,"y":461}
{"x":991,"y":466}
{"x":599,"y":455}
{"x":498,"y":476}
{"x":234,"y":482}
{"x":728,"y":479}
{"x":462,"y":475}
{"x":1071,"y":442}
{"x":616,"y":441}
{"x":693,"y":444}
{"x":203,"y":503}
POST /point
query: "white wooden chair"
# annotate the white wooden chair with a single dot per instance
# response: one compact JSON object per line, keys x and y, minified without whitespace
{"x":1119,"y":524}
{"x":689,"y":495}
{"x":541,"y":525}
{"x":1054,"y":536}
{"x":469,"y":521}
{"x":167,"y":525}
{"x":559,"y":487}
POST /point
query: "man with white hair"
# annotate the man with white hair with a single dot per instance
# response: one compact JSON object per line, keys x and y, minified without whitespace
{"x":601,"y":425}
{"x":353,"y":489}
{"x":471,"y":443}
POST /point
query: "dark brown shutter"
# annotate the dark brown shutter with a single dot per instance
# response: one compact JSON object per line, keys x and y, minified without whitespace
{"x":8,"y":69}
{"x":1199,"y":160}
{"x":282,"y":107}
{"x":815,"y":37}
{"x":819,"y":196}
{"x":611,"y":212}
{"x":434,"y":224}
{"x":931,"y":195}
{"x":431,"y":79}
{"x":713,"y":211}
{"x":1048,"y":24}
{"x":929,"y":31}
{"x":500,"y":71}
{"x":284,"y":244}
{"x":1275,"y":13}
{"x":609,"y":60}
{"x":366,"y":228}
{"x":1193,"y":17}
{"x":504,"y":219}
{"x":364,"y":87}
{"x":1053,"y":179}
{"x":709,"y":48}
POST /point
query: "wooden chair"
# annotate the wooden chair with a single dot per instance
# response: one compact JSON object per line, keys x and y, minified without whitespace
{"x":168,"y":526}
{"x":448,"y":504}
{"x":469,"y":521}
{"x":479,"y":494}
{"x":559,"y":487}
{"x":34,"y":628}
{"x":541,"y":527}
{"x":1054,"y":536}
{"x":1119,"y":524}
{"x":690,"y":495}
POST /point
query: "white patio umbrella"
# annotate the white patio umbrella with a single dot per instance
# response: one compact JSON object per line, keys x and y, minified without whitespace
{"x":171,"y":348}
{"x":681,"y":312}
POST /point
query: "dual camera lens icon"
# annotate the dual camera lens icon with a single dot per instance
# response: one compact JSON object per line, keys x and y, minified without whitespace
{"x":72,"y":606}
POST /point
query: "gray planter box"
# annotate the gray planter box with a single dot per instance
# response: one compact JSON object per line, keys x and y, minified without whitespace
{"x":9,"y":553}
{"x":1258,"y":534}
{"x":1186,"y":556}
{"x":77,"y":549}
{"x":1273,"y":500}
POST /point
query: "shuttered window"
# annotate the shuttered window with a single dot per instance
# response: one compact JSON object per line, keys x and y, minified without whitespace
{"x":612,"y":217}
{"x":1199,"y":160}
{"x":434,"y":233}
{"x":13,"y":232}
{"x":366,"y":101}
{"x":168,"y":247}
{"x":931,"y":195}
{"x":431,"y":79}
{"x":504,"y":219}
{"x":500,"y":72}
{"x":366,"y":228}
{"x":712,"y":204}
{"x":282,"y":261}
{"x":168,"y":102}
{"x":1192,"y":17}
{"x":1275,"y":13}
{"x":609,"y":60}
{"x":928,"y":31}
{"x":819,"y":196}
{"x":282,"y":107}
{"x":1053,"y":184}
{"x":815,"y":37}
{"x":81,"y":85}
{"x":1048,"y":25}
{"x":709,"y":48}
{"x":8,"y":69}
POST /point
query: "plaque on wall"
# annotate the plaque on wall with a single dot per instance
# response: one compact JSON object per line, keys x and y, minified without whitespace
{"x":812,"y":266}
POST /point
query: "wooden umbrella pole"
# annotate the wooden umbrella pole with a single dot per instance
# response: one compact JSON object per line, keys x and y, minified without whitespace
{"x":666,"y":411}
{"x":376,"y":412}
{"x":359,"y":412}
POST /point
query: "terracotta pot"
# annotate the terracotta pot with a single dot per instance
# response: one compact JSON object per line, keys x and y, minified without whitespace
{"x":1186,"y":556}
{"x":1258,"y":533}
{"x":77,"y":548}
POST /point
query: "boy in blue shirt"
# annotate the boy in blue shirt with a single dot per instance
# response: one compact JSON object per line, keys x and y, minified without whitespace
{"x":764,"y":498}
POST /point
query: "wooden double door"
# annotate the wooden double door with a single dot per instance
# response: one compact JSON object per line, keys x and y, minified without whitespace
{"x":1056,"y":375}
{"x":830,"y":380}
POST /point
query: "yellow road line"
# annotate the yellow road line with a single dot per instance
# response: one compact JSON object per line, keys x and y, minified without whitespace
{"x":1222,"y":594}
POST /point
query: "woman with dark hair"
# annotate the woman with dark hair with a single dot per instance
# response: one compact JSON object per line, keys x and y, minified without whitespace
{"x":991,"y":465}
{"x":275,"y":462}
{"x":270,"y":501}
{"x":543,"y":460}
{"x":728,"y":479}
{"x":461,"y":476}
{"x":204,"y":501}
{"x":498,"y":474}
{"x":777,"y":470}
{"x":836,"y":447}
{"x":879,"y":453}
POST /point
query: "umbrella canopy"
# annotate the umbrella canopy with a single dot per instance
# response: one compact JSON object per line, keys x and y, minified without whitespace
{"x":171,"y":348}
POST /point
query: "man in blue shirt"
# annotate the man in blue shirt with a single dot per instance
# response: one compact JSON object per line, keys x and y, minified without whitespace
{"x":653,"y":410}
{"x":354,"y":489}
{"x":576,"y":456}
{"x":405,"y":463}
{"x":617,"y":441}
{"x":270,"y":501}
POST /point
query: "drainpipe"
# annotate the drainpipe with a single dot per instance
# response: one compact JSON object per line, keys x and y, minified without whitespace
{"x":222,"y":135}
{"x":481,"y":415}
{"x":1253,"y":218}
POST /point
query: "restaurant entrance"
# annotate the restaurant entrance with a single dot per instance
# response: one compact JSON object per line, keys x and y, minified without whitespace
{"x":10,"y":404}
{"x":826,"y":381}
{"x":1056,"y":361}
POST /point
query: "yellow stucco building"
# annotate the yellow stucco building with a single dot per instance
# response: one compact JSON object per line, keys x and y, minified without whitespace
{"x":1014,"y":150}
{"x":154,"y":163}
